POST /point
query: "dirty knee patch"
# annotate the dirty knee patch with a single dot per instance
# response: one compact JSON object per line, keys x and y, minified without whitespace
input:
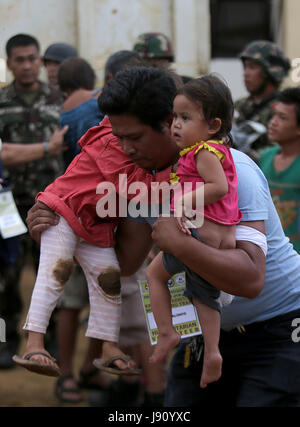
{"x":109,"y":281}
{"x":63,"y":270}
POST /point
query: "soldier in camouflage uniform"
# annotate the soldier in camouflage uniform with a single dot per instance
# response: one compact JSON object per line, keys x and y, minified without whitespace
{"x":265,"y":67}
{"x":155,"y":49}
{"x":29,"y":112}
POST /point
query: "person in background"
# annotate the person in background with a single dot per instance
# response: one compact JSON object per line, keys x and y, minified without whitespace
{"x":281,"y":164}
{"x":265,"y":67}
{"x":10,"y":251}
{"x":80,"y":111}
{"x":54,"y":55}
{"x":31,"y":156}
{"x":155,"y":49}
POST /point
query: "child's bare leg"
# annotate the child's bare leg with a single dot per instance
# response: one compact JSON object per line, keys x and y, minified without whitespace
{"x":210,"y":325}
{"x":168,"y":338}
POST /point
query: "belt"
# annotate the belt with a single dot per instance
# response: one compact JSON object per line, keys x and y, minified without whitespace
{"x":243,"y":329}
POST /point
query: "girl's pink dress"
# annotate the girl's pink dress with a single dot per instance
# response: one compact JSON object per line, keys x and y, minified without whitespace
{"x":224,"y":211}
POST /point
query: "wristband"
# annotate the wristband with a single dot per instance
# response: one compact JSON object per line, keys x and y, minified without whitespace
{"x":46,"y":149}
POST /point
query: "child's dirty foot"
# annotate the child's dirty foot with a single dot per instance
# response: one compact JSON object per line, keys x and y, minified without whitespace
{"x":114,"y":361}
{"x":38,"y":361}
{"x":212,"y":368}
{"x":164,"y":344}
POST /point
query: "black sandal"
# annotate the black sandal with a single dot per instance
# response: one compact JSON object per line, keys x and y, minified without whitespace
{"x":60,"y":390}
{"x":86,"y":383}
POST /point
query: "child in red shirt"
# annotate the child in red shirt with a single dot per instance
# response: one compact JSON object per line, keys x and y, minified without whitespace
{"x":83,"y":236}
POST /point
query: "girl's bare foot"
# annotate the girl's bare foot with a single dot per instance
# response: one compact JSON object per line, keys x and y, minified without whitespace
{"x":165,"y":343}
{"x":38,"y":360}
{"x":212,"y":368}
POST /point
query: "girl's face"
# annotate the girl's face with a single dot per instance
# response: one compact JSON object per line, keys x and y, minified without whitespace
{"x":189,"y":125}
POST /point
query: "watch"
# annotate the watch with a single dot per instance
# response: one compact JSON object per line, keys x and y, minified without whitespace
{"x":46,"y":149}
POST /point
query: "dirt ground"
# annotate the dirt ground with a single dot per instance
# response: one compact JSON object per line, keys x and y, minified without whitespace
{"x":20,"y":388}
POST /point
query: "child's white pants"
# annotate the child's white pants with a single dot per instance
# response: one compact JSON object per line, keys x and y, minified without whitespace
{"x":59,"y":246}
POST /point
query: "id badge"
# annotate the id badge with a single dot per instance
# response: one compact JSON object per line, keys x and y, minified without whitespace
{"x":11,"y":223}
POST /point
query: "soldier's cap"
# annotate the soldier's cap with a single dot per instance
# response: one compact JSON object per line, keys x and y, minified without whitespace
{"x":154,"y":45}
{"x":269,"y":56}
{"x":59,"y":52}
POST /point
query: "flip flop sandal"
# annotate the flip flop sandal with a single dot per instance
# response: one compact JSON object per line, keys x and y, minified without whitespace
{"x":60,"y":390}
{"x":111,"y":368}
{"x":37,"y":367}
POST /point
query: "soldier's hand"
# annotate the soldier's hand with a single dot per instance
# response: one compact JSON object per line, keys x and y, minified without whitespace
{"x":57,"y":142}
{"x":40,"y":218}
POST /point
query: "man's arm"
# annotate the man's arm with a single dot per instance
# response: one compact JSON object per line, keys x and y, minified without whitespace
{"x":239,"y":271}
{"x":18,"y":154}
{"x":133,"y":245}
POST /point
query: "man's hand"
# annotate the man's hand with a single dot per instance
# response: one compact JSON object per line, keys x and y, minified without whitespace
{"x":40,"y":218}
{"x":167,"y":235}
{"x":57,"y":143}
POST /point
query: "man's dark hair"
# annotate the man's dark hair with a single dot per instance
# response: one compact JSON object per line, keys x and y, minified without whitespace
{"x":21,"y":40}
{"x":214,"y":97}
{"x":144,"y":92}
{"x":76,"y":73}
{"x":291,"y":96}
{"x":121,"y":60}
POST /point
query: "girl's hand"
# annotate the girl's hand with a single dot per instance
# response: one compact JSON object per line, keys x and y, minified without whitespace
{"x":181,"y":222}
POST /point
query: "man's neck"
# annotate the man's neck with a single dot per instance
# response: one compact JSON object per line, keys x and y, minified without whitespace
{"x":266,"y":93}
{"x":27,"y":88}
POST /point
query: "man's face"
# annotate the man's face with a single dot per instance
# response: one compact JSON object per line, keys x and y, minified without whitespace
{"x":25,"y":64}
{"x":52,"y":68}
{"x":254,"y":76}
{"x":147,"y":147}
{"x":283,"y":126}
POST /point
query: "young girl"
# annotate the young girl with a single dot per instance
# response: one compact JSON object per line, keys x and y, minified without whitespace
{"x":203,"y":111}
{"x":82,"y":236}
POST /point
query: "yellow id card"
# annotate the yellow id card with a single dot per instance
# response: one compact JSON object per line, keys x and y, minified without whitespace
{"x":184,"y":314}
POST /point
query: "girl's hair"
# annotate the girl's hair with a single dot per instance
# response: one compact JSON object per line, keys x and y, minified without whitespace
{"x":214,"y":97}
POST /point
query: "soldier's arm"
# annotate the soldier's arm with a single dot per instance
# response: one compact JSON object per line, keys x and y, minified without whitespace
{"x":18,"y":154}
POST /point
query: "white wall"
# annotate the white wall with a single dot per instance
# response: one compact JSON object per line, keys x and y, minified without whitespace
{"x":106,"y":26}
{"x":100,"y":27}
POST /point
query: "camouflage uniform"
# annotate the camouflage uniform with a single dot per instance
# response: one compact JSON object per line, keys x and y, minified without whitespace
{"x":24,"y":120}
{"x":23,"y":123}
{"x":257,"y":111}
{"x":276,"y":66}
{"x":154,"y":46}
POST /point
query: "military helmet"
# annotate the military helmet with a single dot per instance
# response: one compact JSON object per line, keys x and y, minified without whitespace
{"x":270,"y":57}
{"x":59,"y":52}
{"x":154,"y":45}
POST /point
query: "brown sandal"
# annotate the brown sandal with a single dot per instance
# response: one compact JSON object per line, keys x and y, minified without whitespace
{"x":111,"y":368}
{"x":37,"y":367}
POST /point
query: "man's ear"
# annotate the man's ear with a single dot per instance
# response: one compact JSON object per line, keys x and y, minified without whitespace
{"x":168,"y":121}
{"x":214,"y":126}
{"x":8,"y":64}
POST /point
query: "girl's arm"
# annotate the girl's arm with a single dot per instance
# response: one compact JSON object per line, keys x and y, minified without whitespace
{"x":210,"y":169}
